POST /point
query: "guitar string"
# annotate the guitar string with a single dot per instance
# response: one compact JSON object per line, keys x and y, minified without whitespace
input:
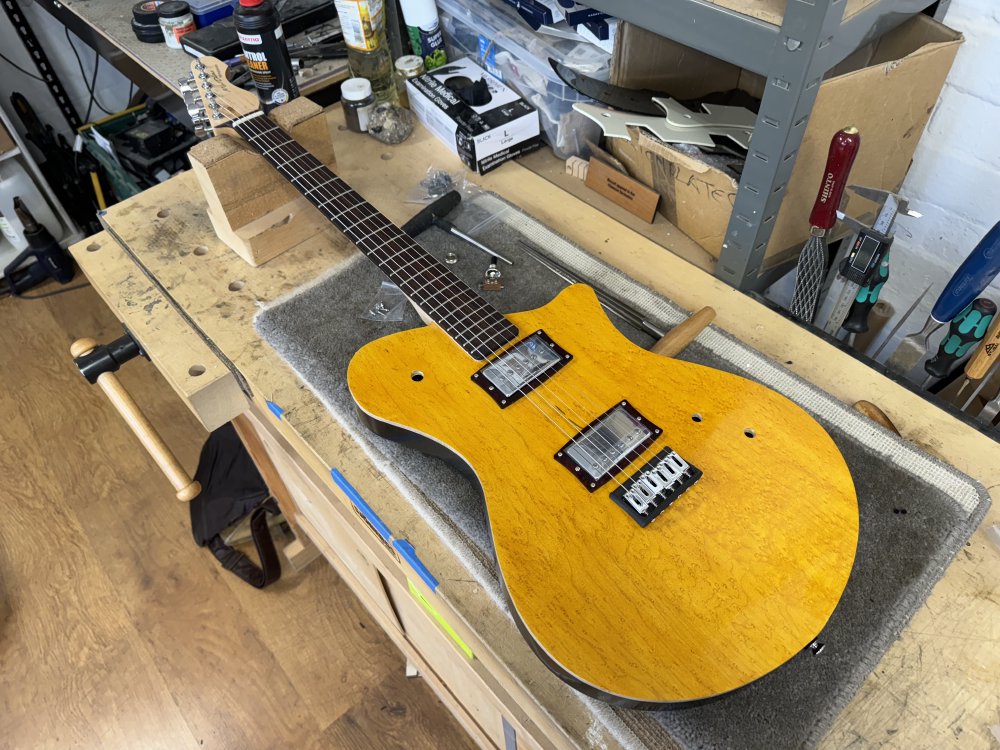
{"x":581,"y":439}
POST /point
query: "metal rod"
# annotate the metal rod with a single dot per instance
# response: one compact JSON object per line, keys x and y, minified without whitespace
{"x":982,"y":384}
{"x":474,"y":243}
{"x":612,"y":305}
{"x":902,"y":320}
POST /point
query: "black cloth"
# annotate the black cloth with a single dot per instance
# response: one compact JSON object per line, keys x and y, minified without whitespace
{"x":231,"y":489}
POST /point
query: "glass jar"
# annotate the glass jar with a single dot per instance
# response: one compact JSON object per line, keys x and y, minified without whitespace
{"x":407,"y":66}
{"x":358,"y":100}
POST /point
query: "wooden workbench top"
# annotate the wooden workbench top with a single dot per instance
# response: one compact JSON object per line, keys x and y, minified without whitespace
{"x":939,"y":685}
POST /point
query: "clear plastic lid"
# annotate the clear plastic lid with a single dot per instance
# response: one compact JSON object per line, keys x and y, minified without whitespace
{"x":356,"y":89}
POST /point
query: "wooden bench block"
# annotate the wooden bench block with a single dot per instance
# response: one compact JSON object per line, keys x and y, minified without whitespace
{"x":253,"y":209}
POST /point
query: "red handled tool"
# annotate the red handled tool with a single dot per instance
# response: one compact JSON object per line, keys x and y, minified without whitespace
{"x":812,"y":261}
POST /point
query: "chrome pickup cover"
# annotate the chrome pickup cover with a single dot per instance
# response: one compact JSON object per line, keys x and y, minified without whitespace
{"x":521,"y":368}
{"x":652,"y":489}
{"x":608,"y":445}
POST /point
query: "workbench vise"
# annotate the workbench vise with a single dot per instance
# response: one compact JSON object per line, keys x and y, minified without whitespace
{"x":98,"y":364}
{"x":101,"y":358}
{"x":253,"y":209}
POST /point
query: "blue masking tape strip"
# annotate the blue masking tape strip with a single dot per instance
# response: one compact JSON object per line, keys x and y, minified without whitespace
{"x":275,"y":409}
{"x":405,"y":549}
{"x":362,"y":506}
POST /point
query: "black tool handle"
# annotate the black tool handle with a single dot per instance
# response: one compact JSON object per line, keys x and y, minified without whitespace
{"x":857,"y":318}
{"x":964,"y":331}
{"x":436,"y":210}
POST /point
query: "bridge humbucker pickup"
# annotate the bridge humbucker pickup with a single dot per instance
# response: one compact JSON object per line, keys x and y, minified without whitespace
{"x":653,"y":488}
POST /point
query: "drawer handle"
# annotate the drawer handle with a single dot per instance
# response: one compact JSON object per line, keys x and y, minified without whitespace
{"x":187,"y":489}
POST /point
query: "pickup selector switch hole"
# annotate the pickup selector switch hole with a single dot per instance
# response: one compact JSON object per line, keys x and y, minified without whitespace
{"x":416,"y":376}
{"x":750,"y":433}
{"x":196,"y":370}
{"x":696,"y":417}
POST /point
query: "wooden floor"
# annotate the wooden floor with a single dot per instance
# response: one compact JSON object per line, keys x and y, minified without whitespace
{"x":116,"y":631}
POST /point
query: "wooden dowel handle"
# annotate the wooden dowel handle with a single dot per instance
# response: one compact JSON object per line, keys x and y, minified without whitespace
{"x":682,"y":334}
{"x":187,"y":489}
{"x":875,"y":414}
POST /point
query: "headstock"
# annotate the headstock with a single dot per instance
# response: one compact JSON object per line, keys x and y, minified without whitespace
{"x":211,"y":100}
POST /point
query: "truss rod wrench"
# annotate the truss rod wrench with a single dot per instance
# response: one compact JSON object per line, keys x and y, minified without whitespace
{"x":433,"y":215}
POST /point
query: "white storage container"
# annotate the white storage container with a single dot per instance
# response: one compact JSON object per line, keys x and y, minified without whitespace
{"x":505,"y":46}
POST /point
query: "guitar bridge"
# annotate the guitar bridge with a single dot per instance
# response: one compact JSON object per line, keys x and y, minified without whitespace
{"x":653,"y":488}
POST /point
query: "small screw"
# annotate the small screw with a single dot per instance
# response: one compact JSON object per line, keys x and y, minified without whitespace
{"x":816,"y":647}
{"x":792,"y":44}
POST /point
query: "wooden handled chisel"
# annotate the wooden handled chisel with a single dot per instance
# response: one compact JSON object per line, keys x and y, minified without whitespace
{"x":982,"y":360}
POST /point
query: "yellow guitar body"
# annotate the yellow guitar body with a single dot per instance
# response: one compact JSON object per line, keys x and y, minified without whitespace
{"x":734,"y":578}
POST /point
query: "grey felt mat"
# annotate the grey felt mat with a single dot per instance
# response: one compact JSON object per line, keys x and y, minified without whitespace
{"x":915,"y":512}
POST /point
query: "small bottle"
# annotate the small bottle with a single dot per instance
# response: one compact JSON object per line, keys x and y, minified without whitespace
{"x":258,"y":27}
{"x":407,"y":66}
{"x":358,"y":101}
{"x":176,"y":20}
{"x":363,"y":25}
{"x":424,"y":30}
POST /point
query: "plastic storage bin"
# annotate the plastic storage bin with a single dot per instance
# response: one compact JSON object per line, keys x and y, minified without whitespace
{"x":207,"y":12}
{"x":505,"y":46}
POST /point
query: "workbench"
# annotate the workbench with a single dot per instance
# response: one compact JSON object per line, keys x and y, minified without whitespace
{"x":105,"y":25}
{"x":938,"y":686}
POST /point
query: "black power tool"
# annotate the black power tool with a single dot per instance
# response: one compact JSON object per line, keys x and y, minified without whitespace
{"x":48,"y":260}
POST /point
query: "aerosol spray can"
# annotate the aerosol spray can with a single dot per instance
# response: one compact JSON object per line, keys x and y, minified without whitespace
{"x":424,"y":30}
{"x":258,"y":27}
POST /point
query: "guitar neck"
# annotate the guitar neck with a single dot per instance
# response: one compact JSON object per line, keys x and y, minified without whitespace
{"x":475,"y":325}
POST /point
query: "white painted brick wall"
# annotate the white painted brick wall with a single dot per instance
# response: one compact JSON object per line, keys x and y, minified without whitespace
{"x":955,"y":177}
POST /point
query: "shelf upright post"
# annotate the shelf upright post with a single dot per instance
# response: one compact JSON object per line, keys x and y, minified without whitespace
{"x":803,"y":52}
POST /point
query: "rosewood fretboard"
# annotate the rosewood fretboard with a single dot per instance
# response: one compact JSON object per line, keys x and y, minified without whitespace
{"x":473,"y":323}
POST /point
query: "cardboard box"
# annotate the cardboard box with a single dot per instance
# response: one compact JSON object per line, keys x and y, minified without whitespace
{"x":483,"y":137}
{"x":6,"y":142}
{"x":886,"y":89}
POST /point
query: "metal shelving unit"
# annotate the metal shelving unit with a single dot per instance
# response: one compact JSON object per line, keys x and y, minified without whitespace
{"x":812,"y":37}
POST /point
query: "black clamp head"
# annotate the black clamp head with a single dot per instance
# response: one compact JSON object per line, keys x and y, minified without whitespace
{"x":109,"y":357}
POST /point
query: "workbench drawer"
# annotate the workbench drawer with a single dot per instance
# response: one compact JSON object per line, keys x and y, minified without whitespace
{"x":452,"y":660}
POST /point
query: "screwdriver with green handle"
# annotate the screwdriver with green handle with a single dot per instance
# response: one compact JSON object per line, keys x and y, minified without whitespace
{"x":857,"y":318}
{"x":965,"y":330}
{"x":972,"y":277}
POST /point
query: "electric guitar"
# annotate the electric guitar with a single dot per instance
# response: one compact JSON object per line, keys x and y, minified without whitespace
{"x":665,"y":532}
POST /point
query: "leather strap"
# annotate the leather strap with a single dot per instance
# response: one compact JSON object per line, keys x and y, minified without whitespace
{"x":233,"y":560}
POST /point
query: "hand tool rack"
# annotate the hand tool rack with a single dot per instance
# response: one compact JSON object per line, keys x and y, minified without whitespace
{"x":794,"y":54}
